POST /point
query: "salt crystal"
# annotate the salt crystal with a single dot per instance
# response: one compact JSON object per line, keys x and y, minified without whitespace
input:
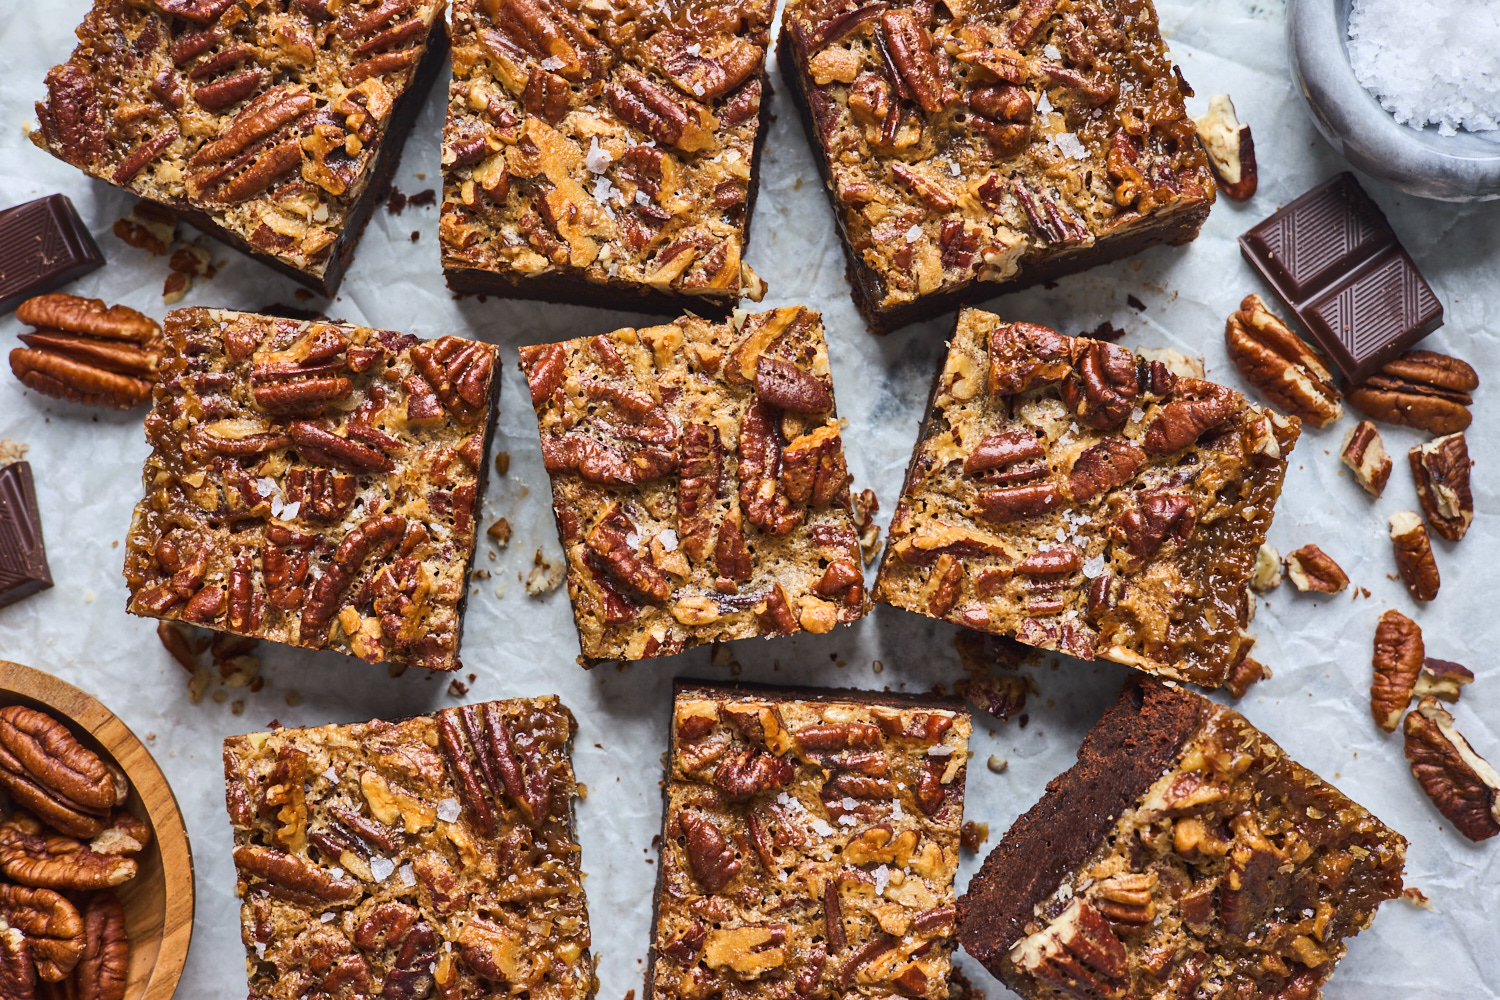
{"x":954,"y":169}
{"x":265,"y":486}
{"x":882,"y":879}
{"x":597,"y":160}
{"x":633,"y":539}
{"x":552,"y":62}
{"x":290,"y":510}
{"x":847,"y":820}
{"x":1447,"y":73}
{"x":1050,"y":51}
{"x":260,"y":949}
{"x":896,"y":811}
{"x":1093,"y":567}
{"x":940,"y":751}
{"x":913,"y":234}
{"x":1043,"y":105}
{"x":603,"y":187}
{"x":327,"y":918}
{"x":642,"y":198}
{"x":694,"y":49}
{"x":668,"y":539}
{"x":448,"y":810}
{"x":1070,"y":146}
{"x":698,"y":90}
{"x":330,"y":775}
{"x":381,"y":868}
{"x":336,"y":872}
{"x":407,"y":877}
{"x":849,"y":804}
{"x":821,"y":828}
{"x":276,"y":507}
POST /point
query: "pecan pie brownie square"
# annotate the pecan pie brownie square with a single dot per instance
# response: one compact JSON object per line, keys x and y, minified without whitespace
{"x":313,"y":484}
{"x":699,"y":482}
{"x":972,"y":150}
{"x":810,"y":840}
{"x":603,"y":153}
{"x":431,"y":857}
{"x":1085,"y":499}
{"x":1185,"y":855}
{"x":275,"y":127}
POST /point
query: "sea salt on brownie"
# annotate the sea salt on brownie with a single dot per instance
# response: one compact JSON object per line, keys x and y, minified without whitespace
{"x":275,"y":127}
{"x":313,"y":484}
{"x":699,"y":482}
{"x":810,"y":839}
{"x":1183,"y":855}
{"x":431,"y":857}
{"x":605,"y":154}
{"x":1085,"y":499}
{"x":972,"y":149}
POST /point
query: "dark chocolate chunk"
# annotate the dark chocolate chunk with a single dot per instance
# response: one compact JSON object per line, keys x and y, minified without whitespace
{"x":43,"y":244}
{"x":1333,"y":257}
{"x":23,"y":557}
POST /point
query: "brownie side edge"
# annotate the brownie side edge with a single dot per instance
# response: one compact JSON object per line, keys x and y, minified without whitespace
{"x":792,"y":692}
{"x":1131,"y":745}
{"x":567,"y":290}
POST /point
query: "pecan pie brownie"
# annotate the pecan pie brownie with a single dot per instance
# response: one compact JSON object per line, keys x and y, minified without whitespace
{"x":274,"y":126}
{"x":699,"y":483}
{"x":605,"y":154}
{"x":313,"y":484}
{"x":1085,"y":499}
{"x":1184,"y":855}
{"x":810,"y":839}
{"x":431,"y":857}
{"x":975,"y":149}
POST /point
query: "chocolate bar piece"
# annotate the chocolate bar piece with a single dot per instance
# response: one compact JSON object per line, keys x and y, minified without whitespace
{"x":23,"y":557}
{"x":43,"y":244}
{"x":1336,"y":261}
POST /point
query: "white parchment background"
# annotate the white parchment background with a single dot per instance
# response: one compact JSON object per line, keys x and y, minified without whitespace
{"x":87,"y":467}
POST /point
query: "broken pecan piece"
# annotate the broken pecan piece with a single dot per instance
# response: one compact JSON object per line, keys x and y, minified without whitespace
{"x":1310,"y":568}
{"x":1441,"y":470}
{"x":1364,"y":453}
{"x":1078,"y":953}
{"x":1414,"y":559}
{"x":1281,"y":364}
{"x":1026,"y":355}
{"x":1420,"y":389}
{"x":1442,"y":679}
{"x":1463,"y":785}
{"x":1397,"y":662}
{"x":1231,"y":151}
{"x":813,"y":470}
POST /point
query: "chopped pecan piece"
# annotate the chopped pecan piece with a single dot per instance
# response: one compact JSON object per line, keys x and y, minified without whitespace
{"x":1266,"y":574}
{"x":1397,"y":662}
{"x":1078,"y":953}
{"x":1463,"y":785}
{"x":1310,"y":568}
{"x":1281,"y":364}
{"x":1442,"y":679}
{"x":1441,"y":471}
{"x":1026,"y":355}
{"x":1364,"y":453}
{"x":1200,"y":406}
{"x":1231,"y":150}
{"x":1414,"y":559}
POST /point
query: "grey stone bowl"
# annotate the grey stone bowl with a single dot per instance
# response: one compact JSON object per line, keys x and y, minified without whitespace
{"x":1462,"y":167}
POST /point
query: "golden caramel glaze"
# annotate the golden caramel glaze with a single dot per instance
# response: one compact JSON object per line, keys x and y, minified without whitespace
{"x":607,"y":143}
{"x":313,"y":484}
{"x":810,"y":846}
{"x":1239,"y":873}
{"x":265,"y":118}
{"x":1088,"y":500}
{"x":699,"y":482}
{"x":974,"y":141}
{"x":432,"y":857}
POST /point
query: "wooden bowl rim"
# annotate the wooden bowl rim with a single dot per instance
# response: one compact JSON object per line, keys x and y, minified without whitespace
{"x":167,"y":824}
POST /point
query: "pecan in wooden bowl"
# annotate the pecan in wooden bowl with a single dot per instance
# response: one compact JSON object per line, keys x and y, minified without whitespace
{"x":96,"y":874}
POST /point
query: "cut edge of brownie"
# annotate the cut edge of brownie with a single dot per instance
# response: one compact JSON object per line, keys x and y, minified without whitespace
{"x":482,"y":481}
{"x":773,"y":693}
{"x":563,"y":289}
{"x":1126,"y":751}
{"x":1174,"y":228}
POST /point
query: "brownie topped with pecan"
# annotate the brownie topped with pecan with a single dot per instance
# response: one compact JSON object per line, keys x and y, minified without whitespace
{"x":810,"y":839}
{"x":431,"y":857}
{"x":273,"y":126}
{"x":1183,"y":855}
{"x":1088,"y":500}
{"x":972,"y":149}
{"x":699,"y":482}
{"x":605,"y":153}
{"x":313,"y":484}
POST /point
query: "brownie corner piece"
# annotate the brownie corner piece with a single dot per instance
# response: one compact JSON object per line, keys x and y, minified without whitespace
{"x":607,"y":156}
{"x":698,"y":482}
{"x":275,"y":128}
{"x":1184,"y":854}
{"x":967,"y":153}
{"x":313,"y":484}
{"x":1088,"y":500}
{"x":809,"y":845}
{"x":390,"y":859}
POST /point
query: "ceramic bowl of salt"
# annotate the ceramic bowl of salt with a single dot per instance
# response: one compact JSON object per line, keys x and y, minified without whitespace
{"x":1412,"y":98}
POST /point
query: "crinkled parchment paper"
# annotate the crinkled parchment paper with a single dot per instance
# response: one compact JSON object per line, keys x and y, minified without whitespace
{"x":88,"y":464}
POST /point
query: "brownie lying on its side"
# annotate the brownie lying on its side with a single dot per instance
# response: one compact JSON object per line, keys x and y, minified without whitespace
{"x":1183,"y":855}
{"x":809,"y":843}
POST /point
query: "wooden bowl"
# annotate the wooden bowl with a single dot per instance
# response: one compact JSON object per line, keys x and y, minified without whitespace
{"x":159,"y":900}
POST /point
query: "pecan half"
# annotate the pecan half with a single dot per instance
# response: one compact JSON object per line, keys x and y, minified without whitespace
{"x":458,"y":371}
{"x":1441,"y":470}
{"x":49,"y":772}
{"x":1463,"y":785}
{"x":478,"y":744}
{"x":1230,"y":149}
{"x":1102,"y":467}
{"x":1102,"y":390}
{"x":100,"y":973}
{"x":1420,"y":389}
{"x":1078,"y":953}
{"x":1200,"y":406}
{"x":1008,"y":457}
{"x":710,"y":856}
{"x":907,"y":45}
{"x":319,"y":445}
{"x":31,"y":855}
{"x":17,"y":971}
{"x":1003,"y":112}
{"x":657,"y":112}
{"x":762,"y":496}
{"x":609,"y":540}
{"x":1414,"y":559}
{"x":1442,"y":679}
{"x":1310,"y":568}
{"x":1397,"y":662}
{"x":1364,"y":453}
{"x":813,"y":470}
{"x":783,"y":384}
{"x":51,"y":925}
{"x":1016,"y":503}
{"x":292,"y":878}
{"x":1280,"y":364}
{"x":1158,"y":517}
{"x":1026,"y":355}
{"x":751,"y":771}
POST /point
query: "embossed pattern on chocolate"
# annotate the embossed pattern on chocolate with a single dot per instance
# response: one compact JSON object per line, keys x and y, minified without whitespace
{"x":1085,"y":499}
{"x":314,"y":484}
{"x":431,"y":857}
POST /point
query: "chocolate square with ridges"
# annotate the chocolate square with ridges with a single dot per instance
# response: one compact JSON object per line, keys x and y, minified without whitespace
{"x":23,"y":556}
{"x":43,"y":244}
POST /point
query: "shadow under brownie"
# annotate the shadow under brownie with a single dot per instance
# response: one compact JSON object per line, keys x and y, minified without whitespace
{"x":1184,"y":854}
{"x":810,"y":840}
{"x":973,"y":151}
{"x":1088,"y":500}
{"x":275,"y":130}
{"x":605,"y":155}
{"x":313,"y":484}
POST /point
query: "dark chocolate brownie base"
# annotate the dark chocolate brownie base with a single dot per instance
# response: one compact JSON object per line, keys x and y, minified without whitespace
{"x":1135,"y":741}
{"x":1172,"y":228}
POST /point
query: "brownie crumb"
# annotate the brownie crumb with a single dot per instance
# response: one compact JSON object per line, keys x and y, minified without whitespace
{"x":1135,"y":303}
